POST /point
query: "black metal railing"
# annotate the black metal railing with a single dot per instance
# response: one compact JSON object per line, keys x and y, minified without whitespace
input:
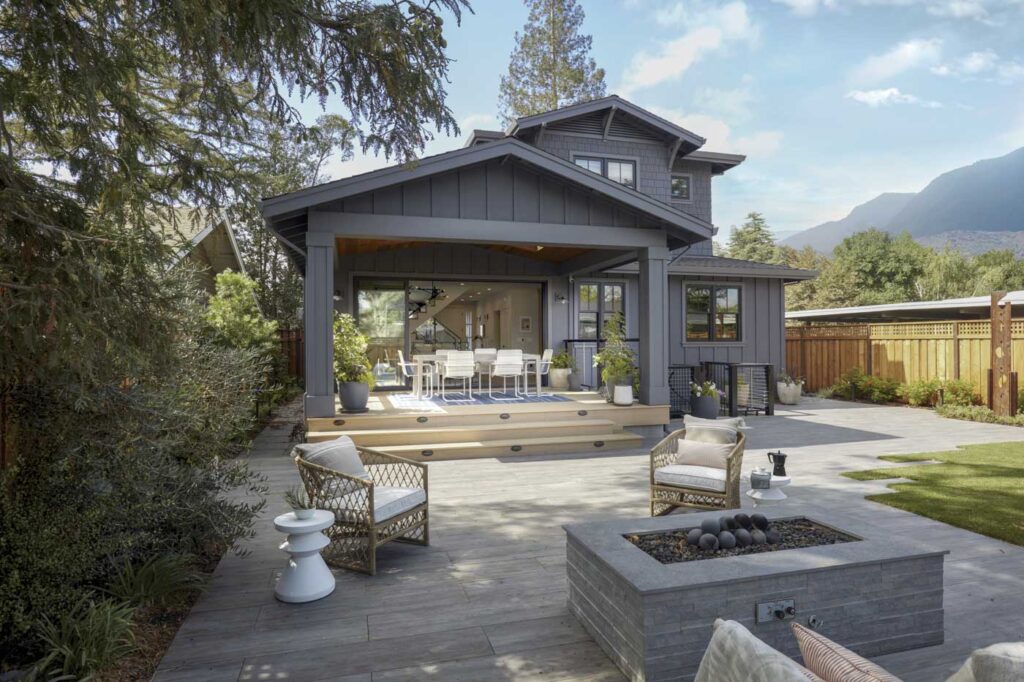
{"x":679,"y":391}
{"x":583,"y":351}
{"x":744,"y":387}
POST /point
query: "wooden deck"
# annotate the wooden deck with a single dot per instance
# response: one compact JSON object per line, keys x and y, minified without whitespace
{"x":433,"y":430}
{"x":486,"y":601}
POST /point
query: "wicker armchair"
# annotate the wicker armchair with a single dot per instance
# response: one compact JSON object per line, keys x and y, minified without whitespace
{"x":357,"y":533}
{"x":665,"y":497}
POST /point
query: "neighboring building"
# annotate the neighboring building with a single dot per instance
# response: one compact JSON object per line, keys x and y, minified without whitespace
{"x":205,"y":240}
{"x":532,"y":238}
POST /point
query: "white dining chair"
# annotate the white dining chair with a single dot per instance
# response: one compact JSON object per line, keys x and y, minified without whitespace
{"x":460,"y":365}
{"x":507,"y":364}
{"x":530,"y":369}
{"x":484,"y":359}
{"x":409,"y":371}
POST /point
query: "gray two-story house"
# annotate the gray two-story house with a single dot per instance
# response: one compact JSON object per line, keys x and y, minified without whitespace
{"x":531,"y":238}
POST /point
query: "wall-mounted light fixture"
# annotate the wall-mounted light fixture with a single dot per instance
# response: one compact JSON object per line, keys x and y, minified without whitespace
{"x":561,"y":299}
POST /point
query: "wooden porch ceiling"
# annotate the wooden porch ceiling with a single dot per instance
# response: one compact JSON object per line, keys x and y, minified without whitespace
{"x":550,"y":254}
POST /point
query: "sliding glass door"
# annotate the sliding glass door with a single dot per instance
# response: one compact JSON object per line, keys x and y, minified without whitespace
{"x":381,"y":312}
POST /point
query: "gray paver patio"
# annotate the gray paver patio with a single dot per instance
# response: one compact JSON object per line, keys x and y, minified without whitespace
{"x":486,"y":601}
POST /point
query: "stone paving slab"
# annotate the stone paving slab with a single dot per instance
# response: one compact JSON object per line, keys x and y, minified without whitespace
{"x":486,"y":601}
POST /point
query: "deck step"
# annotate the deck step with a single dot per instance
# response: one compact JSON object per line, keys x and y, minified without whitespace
{"x":378,"y":437}
{"x":528,"y":413}
{"x":521,"y":447}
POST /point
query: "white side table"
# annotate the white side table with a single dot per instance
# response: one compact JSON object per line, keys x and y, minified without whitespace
{"x":306,"y":577}
{"x":773,"y":494}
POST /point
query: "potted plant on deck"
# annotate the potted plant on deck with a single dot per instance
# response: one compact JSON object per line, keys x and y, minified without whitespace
{"x":562,"y":365}
{"x":617,"y":362}
{"x":704,"y":401}
{"x":351,"y":366}
{"x":788,"y":389}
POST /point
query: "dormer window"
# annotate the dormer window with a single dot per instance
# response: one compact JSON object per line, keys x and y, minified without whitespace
{"x":617,"y":170}
{"x":681,"y":187}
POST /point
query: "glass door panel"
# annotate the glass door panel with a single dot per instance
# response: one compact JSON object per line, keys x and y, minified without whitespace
{"x":381,"y":313}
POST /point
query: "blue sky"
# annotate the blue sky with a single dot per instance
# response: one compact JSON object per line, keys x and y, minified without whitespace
{"x":833,"y":101}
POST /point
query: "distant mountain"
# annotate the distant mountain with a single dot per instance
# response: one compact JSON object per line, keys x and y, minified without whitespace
{"x":973,"y":243}
{"x":985,"y":197}
{"x":875,"y":213}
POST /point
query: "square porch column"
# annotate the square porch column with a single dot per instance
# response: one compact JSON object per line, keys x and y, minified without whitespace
{"x":319,"y":322}
{"x":654,"y":325}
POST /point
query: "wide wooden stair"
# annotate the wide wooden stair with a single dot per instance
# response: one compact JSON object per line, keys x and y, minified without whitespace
{"x":465,"y":432}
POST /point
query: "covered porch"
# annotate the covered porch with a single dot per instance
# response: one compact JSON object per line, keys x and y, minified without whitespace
{"x":501,"y":214}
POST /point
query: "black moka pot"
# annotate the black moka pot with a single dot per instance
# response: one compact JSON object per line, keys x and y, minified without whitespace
{"x":779,"y":460}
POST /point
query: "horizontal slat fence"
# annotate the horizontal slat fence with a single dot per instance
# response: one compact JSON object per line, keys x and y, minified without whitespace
{"x":905,"y":352}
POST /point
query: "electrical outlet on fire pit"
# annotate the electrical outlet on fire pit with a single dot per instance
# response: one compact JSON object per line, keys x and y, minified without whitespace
{"x":768,"y":611}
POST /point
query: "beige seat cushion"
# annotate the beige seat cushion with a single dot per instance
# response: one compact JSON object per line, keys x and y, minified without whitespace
{"x":691,"y":476}
{"x":997,"y":663}
{"x":834,"y":663}
{"x":735,"y":655}
{"x":388,"y":501}
{"x":703,"y":454}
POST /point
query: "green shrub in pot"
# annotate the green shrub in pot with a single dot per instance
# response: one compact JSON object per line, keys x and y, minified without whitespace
{"x":351,"y":365}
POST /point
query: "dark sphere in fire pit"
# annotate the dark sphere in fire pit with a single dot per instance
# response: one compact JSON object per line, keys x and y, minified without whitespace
{"x":760,"y":521}
{"x":726,"y":540}
{"x":708,"y":542}
{"x":758,"y":536}
{"x":743,"y":538}
{"x":744,"y":521}
{"x":710,"y":526}
{"x":773,"y":536}
{"x":693,"y":537}
{"x":728,"y":523}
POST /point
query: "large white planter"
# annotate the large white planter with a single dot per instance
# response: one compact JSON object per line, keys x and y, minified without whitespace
{"x":789,"y":394}
{"x":623,"y":395}
{"x":559,"y":378}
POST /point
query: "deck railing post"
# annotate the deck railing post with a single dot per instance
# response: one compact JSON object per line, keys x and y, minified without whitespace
{"x":734,"y":385}
{"x":769,"y":408}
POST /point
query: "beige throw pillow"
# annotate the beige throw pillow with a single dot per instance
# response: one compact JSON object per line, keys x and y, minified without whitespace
{"x":712,"y":434}
{"x":834,"y":663}
{"x":732,"y":422}
{"x":340,"y":455}
{"x":736,"y":655}
{"x":697,"y":453}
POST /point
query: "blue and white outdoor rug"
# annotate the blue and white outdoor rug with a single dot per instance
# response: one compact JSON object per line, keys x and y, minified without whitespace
{"x":407,"y":401}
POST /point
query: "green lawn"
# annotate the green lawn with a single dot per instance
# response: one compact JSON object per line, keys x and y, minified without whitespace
{"x":978,"y":487}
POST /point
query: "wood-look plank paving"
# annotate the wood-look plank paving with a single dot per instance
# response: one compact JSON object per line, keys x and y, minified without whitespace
{"x":486,"y":601}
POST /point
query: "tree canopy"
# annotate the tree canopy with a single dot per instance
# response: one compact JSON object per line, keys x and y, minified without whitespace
{"x":753,"y":241}
{"x":550,"y":66}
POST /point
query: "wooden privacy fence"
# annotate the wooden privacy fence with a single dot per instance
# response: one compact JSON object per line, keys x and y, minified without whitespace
{"x":906,"y":351}
{"x":293,"y":350}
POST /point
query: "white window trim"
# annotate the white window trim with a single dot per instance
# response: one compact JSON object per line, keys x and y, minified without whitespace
{"x":677,"y":199}
{"x":742,"y":314}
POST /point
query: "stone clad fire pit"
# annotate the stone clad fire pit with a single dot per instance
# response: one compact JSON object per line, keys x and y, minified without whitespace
{"x":870,"y":590}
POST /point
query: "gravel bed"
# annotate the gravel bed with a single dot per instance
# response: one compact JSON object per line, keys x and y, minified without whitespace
{"x":670,"y":547}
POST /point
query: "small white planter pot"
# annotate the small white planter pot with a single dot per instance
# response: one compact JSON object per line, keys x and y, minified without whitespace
{"x":559,"y":378}
{"x":303,"y":514}
{"x":789,"y":394}
{"x":623,"y":395}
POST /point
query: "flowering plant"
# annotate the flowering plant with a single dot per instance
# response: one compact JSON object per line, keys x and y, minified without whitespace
{"x":787,"y":379}
{"x":704,"y":388}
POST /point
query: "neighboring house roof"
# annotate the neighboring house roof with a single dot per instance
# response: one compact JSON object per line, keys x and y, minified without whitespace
{"x":286,"y":212}
{"x":204,"y":237}
{"x":971,"y":307}
{"x":719,"y":266}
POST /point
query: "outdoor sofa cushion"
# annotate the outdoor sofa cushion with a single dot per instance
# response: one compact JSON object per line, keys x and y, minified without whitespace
{"x":834,"y":663}
{"x":339,"y":455}
{"x":388,"y":501}
{"x":997,"y":663}
{"x":703,"y":454}
{"x":691,"y":476}
{"x":734,"y":654}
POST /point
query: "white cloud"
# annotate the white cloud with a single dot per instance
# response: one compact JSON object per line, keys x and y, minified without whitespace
{"x":958,"y":9}
{"x":905,"y":56}
{"x":719,"y":135}
{"x":981,"y":64}
{"x":479,"y":121}
{"x":733,"y":104}
{"x":807,"y":8}
{"x":887,"y":96}
{"x":707,"y":30}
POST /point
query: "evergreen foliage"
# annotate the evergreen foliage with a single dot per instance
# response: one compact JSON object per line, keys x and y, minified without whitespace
{"x":551,"y":66}
{"x":753,"y":241}
{"x":350,"y":360}
{"x":235,"y":318}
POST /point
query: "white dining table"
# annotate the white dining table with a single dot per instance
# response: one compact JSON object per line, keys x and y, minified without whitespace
{"x":421,"y":360}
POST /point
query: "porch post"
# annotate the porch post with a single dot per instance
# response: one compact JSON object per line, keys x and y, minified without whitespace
{"x":319,"y":321}
{"x":654,"y":325}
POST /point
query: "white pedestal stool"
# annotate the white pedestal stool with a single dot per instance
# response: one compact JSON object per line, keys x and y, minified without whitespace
{"x":306,"y":577}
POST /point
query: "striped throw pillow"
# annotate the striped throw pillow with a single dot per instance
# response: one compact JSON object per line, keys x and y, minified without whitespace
{"x":834,"y":663}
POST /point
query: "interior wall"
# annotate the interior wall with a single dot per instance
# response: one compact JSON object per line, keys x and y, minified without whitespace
{"x":511,"y":303}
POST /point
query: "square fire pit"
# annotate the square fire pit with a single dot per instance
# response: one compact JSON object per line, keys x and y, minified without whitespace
{"x":870,"y":590}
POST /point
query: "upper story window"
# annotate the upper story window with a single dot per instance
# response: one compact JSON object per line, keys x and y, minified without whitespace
{"x":681,"y":187}
{"x":712,"y":313}
{"x":618,"y":170}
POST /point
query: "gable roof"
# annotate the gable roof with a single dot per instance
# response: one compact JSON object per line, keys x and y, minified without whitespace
{"x":284,"y":212}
